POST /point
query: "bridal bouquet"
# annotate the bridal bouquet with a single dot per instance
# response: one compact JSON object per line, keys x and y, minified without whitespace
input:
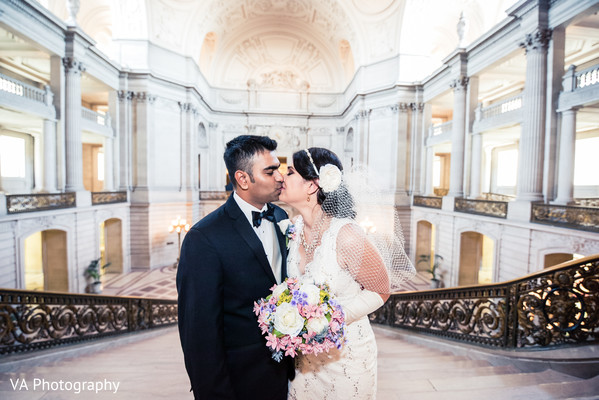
{"x":302,"y":319}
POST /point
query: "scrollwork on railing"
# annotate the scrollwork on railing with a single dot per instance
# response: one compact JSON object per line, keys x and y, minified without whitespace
{"x":428,"y":201}
{"x":552,"y":307}
{"x":108,"y":197}
{"x":583,"y":218}
{"x":587,"y":202}
{"x":482,"y":207}
{"x":19,"y":203}
{"x":36,"y":320}
{"x":214,"y":195}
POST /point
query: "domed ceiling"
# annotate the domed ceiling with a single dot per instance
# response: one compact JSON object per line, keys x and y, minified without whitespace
{"x":288,"y":44}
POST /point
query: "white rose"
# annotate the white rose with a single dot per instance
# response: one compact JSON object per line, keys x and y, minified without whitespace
{"x":279,"y":290}
{"x":313,"y":293}
{"x":283,"y":225}
{"x":329,"y":178}
{"x":317,"y":325}
{"x":288,"y":320}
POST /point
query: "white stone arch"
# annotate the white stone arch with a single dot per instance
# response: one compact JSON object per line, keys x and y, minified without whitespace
{"x":482,"y":229}
{"x":24,"y":231}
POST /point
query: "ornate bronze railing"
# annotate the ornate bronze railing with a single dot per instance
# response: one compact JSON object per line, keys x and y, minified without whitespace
{"x":440,"y":192}
{"x":587,"y":202}
{"x":556,"y":306}
{"x":19,"y":203}
{"x":214,"y":195}
{"x":496,"y":197}
{"x":428,"y":201}
{"x":38,"y":320}
{"x":481,"y":207}
{"x":108,"y":197}
{"x":583,"y":218}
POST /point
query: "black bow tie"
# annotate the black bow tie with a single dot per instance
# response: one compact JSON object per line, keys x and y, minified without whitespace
{"x":268,"y":214}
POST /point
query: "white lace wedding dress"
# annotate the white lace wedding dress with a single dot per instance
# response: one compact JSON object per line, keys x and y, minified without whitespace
{"x":349,"y":373}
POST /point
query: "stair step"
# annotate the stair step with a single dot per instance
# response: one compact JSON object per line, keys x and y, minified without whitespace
{"x":501,"y":381}
{"x":401,"y":376}
{"x":575,"y":389}
{"x":433,"y":365}
{"x":529,"y":392}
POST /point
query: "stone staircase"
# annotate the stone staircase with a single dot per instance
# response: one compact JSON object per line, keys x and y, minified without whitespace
{"x":408,"y":370}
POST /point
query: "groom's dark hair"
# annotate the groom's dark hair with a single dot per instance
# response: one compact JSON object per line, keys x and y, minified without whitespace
{"x":240,"y":152}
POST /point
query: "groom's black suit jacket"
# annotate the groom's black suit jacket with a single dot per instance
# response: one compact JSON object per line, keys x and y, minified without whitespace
{"x":222,"y":271}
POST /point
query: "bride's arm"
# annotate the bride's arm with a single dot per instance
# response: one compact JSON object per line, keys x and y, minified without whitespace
{"x":362,"y":260}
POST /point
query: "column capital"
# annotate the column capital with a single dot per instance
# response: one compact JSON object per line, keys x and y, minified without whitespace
{"x":539,"y":39}
{"x":125,"y":95}
{"x":460,"y":83}
{"x":340,"y":130}
{"x":362,"y":114}
{"x":72,"y":65}
{"x":212,"y":125}
{"x":143,"y":97}
{"x":399,"y":107}
{"x":417,"y":106}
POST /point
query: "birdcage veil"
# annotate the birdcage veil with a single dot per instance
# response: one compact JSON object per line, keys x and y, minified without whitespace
{"x":371,"y":245}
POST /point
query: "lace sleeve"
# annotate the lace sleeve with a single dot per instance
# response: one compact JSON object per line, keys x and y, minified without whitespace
{"x":362,"y":259}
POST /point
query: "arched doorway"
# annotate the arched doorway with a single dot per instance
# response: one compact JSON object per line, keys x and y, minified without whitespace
{"x":425,"y":244}
{"x":476,"y":259}
{"x":46,"y":264}
{"x":111,"y":245}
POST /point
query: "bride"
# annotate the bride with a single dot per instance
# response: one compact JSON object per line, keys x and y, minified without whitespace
{"x":330,"y":247}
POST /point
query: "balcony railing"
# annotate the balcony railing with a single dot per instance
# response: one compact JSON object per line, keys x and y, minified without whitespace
{"x":549,"y":308}
{"x":108,"y":197}
{"x":511,"y":104}
{"x":20,"y":203}
{"x":21,"y":89}
{"x":440,"y":129}
{"x":587,"y":77}
{"x":98,"y":118}
{"x":575,"y":217}
{"x":587,"y":202}
{"x":214,"y":195}
{"x":38,"y":320}
{"x":489,"y":208}
{"x":428,"y":201}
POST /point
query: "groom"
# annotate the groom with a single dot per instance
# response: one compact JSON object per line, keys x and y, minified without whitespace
{"x":230,"y":259}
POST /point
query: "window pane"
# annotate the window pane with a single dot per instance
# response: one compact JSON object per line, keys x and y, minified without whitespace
{"x":585,"y":162}
{"x":507,"y":167}
{"x":12,"y":157}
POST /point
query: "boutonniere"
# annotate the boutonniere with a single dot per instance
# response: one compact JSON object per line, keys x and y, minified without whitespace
{"x":288,"y":230}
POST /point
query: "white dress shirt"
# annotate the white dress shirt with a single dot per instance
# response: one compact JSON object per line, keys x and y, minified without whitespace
{"x":266,"y":233}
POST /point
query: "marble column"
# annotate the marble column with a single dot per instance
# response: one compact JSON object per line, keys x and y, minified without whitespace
{"x":74,"y":152}
{"x":362,"y":118}
{"x":476,"y":165}
{"x":49,"y":155}
{"x":458,"y":137}
{"x":108,"y":164}
{"x":429,"y":161}
{"x":416,"y":146}
{"x":532,"y":140}
{"x":567,"y":150}
{"x":125,"y":121}
{"x":403,"y":153}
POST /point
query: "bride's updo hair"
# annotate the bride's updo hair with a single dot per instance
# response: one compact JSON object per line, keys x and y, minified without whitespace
{"x":339,"y":203}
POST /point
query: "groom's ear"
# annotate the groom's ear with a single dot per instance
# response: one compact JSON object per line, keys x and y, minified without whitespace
{"x":242,"y":178}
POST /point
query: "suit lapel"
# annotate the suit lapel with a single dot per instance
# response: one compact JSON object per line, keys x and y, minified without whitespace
{"x":245,"y":230}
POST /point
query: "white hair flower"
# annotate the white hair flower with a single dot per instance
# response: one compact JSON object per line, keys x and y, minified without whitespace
{"x":329,"y":178}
